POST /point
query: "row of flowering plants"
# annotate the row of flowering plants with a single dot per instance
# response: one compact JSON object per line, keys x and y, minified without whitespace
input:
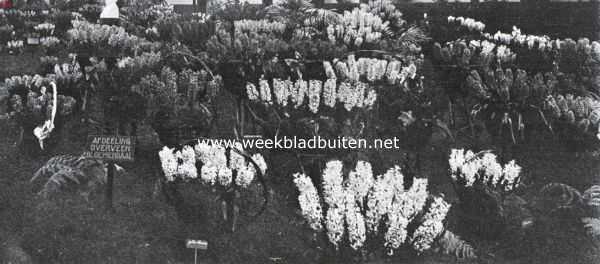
{"x":34,"y":28}
{"x":509,"y":80}
{"x":354,"y":209}
{"x":228,"y":171}
{"x":34,"y":102}
{"x":483,"y":185}
{"x":340,"y":62}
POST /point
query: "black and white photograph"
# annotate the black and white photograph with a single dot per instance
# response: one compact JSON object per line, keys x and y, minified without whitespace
{"x":299,"y":131}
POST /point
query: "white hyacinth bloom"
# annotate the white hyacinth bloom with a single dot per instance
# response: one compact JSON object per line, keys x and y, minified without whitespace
{"x":370,"y":99}
{"x":511,"y":175}
{"x":334,"y":222}
{"x":332,"y":183}
{"x":245,"y":176}
{"x":329,"y":93}
{"x":236,"y":160}
{"x":492,"y":169}
{"x":281,"y":92}
{"x":432,"y":225}
{"x":265,"y":92}
{"x":300,"y":91}
{"x":314,"y":95}
{"x":224,"y":176}
{"x":252,"y":92}
{"x":380,"y":197}
{"x":357,"y":232}
{"x":168,"y":163}
{"x":260,"y":162}
{"x":309,"y":201}
{"x":360,"y":181}
{"x":187,"y":168}
{"x":208,"y":174}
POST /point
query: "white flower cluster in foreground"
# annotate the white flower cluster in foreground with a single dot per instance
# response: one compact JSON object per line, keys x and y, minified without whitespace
{"x":215,"y":168}
{"x":471,"y":168}
{"x":358,"y":205}
{"x":179,"y":163}
{"x":350,"y":94}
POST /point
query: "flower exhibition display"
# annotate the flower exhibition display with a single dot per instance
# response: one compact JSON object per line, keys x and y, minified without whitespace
{"x":471,"y":110}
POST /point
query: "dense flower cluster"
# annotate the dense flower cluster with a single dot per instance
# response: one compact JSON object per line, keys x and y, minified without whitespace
{"x":355,"y":220}
{"x":333,"y":195}
{"x":38,"y":100}
{"x":144,"y":60}
{"x":45,"y":28}
{"x":582,"y":111}
{"x":170,"y":89}
{"x":468,"y":168}
{"x":66,"y":75}
{"x":49,"y":42}
{"x":387,"y":11}
{"x":181,"y":163}
{"x":381,"y":197}
{"x":358,"y":205}
{"x":98,"y":37}
{"x":222,"y":48}
{"x":262,"y":26}
{"x":17,"y":13}
{"x":372,"y":70}
{"x":476,"y":52}
{"x":360,"y":181}
{"x":469,"y":23}
{"x":432,"y":226}
{"x":357,"y":27}
{"x":403,"y":210}
{"x":14,"y":45}
{"x":350,"y":94}
{"x":542,"y":43}
{"x":219,"y":165}
{"x":509,"y":86}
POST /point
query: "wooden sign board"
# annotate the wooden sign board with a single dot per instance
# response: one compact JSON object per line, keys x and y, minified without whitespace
{"x":196,"y":244}
{"x":111,"y":148}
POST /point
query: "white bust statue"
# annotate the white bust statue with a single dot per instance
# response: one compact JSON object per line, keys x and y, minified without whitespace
{"x":111,"y":10}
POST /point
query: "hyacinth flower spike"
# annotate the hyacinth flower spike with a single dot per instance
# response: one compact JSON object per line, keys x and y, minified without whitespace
{"x":43,"y":131}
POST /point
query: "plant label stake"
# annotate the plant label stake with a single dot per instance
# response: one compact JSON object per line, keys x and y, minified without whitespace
{"x":110,"y":175}
{"x":111,"y":149}
{"x":196,"y":244}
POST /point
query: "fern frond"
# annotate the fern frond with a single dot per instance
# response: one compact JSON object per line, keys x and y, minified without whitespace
{"x":38,"y":174}
{"x":413,"y":35}
{"x":62,"y":180}
{"x":451,"y":244}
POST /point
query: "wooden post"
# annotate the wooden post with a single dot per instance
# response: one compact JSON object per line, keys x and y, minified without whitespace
{"x":109,"y":186}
